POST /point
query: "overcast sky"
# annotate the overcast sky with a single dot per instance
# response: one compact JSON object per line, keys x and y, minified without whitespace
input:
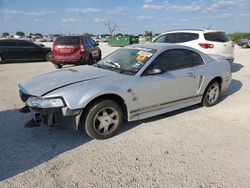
{"x":132,"y":16}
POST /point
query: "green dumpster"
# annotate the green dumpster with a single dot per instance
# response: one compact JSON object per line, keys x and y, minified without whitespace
{"x":120,"y":41}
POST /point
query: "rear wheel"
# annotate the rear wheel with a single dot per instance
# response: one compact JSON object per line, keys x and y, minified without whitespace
{"x":103,"y":119}
{"x":100,"y":56}
{"x":58,"y":66}
{"x":211,"y":94}
{"x":90,"y":61}
{"x":48,"y":56}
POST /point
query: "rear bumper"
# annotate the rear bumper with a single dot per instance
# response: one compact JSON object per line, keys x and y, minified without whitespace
{"x":67,"y":59}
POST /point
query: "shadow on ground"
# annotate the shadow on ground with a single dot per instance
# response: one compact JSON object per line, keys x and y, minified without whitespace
{"x":22,"y":149}
{"x":235,"y":67}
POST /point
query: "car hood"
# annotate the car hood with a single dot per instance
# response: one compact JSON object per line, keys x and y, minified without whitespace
{"x":48,"y":82}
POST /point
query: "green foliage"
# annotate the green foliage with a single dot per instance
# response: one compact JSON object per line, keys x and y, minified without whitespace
{"x":236,"y":36}
{"x":5,"y":34}
{"x":20,"y":33}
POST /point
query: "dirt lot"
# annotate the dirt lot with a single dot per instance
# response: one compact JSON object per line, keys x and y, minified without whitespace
{"x":194,"y":147}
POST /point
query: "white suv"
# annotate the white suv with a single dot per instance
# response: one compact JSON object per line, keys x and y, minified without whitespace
{"x":212,"y":42}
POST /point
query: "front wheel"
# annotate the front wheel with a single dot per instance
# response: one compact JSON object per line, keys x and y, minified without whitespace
{"x":103,"y":119}
{"x":244,"y":45}
{"x":58,"y":66}
{"x":211,"y":94}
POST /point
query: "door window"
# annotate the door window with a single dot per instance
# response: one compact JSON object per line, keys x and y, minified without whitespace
{"x":25,"y":44}
{"x":176,"y":59}
{"x":8,"y":43}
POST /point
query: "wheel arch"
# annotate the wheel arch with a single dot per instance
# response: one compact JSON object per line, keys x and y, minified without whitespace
{"x":109,"y":96}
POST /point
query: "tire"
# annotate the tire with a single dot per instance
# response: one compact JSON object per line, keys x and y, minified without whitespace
{"x":100,"y":56}
{"x":244,"y":45}
{"x":103,"y":119}
{"x":211,"y":95}
{"x":90,"y":60}
{"x":48,"y":56}
{"x":1,"y":59}
{"x":58,"y":66}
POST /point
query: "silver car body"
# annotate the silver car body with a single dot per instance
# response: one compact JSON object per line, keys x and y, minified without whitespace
{"x":144,"y":96}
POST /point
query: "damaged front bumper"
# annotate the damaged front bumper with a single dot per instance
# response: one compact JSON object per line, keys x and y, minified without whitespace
{"x":62,"y":117}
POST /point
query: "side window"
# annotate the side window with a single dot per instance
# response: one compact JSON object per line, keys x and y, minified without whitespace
{"x":176,"y":59}
{"x":8,"y":43}
{"x":180,"y":37}
{"x":25,"y":44}
{"x":160,"y":39}
{"x":88,"y":41}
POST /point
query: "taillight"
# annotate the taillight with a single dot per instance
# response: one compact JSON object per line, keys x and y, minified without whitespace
{"x":206,"y":45}
{"x":81,"y":48}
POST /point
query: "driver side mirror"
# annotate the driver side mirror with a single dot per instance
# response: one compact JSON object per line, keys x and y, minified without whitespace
{"x":154,"y":71}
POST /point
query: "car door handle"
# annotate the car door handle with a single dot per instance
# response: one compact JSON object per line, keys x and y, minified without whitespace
{"x":190,"y":74}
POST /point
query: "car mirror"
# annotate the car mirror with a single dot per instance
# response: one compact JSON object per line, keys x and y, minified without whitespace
{"x":154,"y":71}
{"x":97,"y":44}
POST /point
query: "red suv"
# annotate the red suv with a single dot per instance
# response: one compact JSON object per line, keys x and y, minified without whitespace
{"x":76,"y":50}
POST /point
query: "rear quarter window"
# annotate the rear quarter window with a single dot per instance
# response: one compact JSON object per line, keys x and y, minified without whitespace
{"x":68,"y":40}
{"x":216,"y":37}
{"x":180,"y":37}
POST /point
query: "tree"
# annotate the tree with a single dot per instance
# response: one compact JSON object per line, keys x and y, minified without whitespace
{"x":119,"y":34}
{"x":111,"y":25}
{"x":20,"y":33}
{"x":148,"y":35}
{"x":38,"y":35}
{"x":5,"y":34}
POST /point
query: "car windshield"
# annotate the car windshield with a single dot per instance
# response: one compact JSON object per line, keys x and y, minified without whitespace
{"x":127,"y":60}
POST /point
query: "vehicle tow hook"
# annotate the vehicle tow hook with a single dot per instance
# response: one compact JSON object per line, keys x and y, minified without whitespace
{"x":34,"y":122}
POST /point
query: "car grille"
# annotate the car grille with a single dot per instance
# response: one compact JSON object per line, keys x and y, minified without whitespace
{"x":23,"y":95}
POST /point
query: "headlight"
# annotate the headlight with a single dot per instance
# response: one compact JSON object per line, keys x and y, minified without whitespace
{"x":44,"y":103}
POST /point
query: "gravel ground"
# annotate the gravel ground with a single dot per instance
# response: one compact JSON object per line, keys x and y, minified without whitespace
{"x":194,"y":147}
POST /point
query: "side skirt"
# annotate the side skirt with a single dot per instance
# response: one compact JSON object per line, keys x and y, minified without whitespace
{"x":158,"y":109}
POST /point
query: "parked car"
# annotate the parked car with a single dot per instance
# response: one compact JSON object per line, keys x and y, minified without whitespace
{"x":244,"y":43}
{"x":76,"y":50}
{"x":22,"y":50}
{"x":133,"y":83}
{"x":212,"y":42}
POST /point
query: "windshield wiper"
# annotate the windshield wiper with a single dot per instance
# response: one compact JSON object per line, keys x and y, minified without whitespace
{"x":122,"y":71}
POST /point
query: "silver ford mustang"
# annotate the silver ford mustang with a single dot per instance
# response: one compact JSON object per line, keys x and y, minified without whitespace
{"x":132,"y":83}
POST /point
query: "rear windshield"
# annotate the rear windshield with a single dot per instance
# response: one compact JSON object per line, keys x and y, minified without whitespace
{"x":68,"y":40}
{"x":216,"y":37}
{"x":178,"y":37}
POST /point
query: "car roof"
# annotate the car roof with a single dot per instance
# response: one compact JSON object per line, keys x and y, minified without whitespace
{"x":15,"y":40}
{"x":160,"y":46}
{"x":193,"y":31}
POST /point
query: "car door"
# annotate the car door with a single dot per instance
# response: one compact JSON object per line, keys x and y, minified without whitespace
{"x":178,"y":81}
{"x":30,"y":51}
{"x":9,"y":49}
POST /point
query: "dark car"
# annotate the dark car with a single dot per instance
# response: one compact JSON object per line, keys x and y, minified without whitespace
{"x":76,"y":50}
{"x":244,"y":43}
{"x":13,"y":50}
